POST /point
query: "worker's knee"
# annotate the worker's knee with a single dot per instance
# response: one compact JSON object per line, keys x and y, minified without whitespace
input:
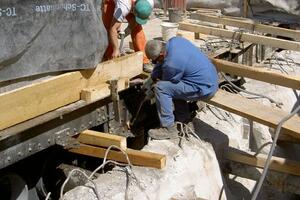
{"x":166,"y":88}
{"x":161,"y":86}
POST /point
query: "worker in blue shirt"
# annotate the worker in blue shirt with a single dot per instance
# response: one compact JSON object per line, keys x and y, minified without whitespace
{"x":182,"y":73}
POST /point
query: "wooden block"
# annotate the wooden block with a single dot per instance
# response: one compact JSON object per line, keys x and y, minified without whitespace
{"x":186,"y":34}
{"x":102,"y":91}
{"x":139,"y":158}
{"x":31,"y":101}
{"x":257,"y":112}
{"x":250,"y":158}
{"x":100,"y":139}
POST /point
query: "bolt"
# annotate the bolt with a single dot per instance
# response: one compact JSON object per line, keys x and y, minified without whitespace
{"x":90,"y":123}
{"x":98,"y":110}
{"x":39,"y":145}
{"x":29,"y":149}
{"x":19,"y":154}
{"x":75,"y":130}
{"x":103,"y":117}
{"x":49,"y":141}
{"x":99,"y":119}
{"x":8,"y":158}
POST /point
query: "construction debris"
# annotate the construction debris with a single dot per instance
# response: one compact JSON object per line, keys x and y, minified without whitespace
{"x":191,"y":172}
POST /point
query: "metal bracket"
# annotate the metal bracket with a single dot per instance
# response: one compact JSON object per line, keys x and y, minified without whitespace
{"x":115,"y":98}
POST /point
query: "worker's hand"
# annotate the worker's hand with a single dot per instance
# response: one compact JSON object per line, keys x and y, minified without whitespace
{"x":127,"y":31}
{"x":120,"y":34}
{"x":116,"y":53}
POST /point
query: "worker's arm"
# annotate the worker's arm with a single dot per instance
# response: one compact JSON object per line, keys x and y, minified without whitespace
{"x":171,"y":74}
{"x":113,"y":36}
{"x":157,"y":72}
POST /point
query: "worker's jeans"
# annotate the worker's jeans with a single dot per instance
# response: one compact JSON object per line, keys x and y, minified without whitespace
{"x":167,"y":93}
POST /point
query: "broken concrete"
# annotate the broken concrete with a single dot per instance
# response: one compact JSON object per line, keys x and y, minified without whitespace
{"x":191,"y":172}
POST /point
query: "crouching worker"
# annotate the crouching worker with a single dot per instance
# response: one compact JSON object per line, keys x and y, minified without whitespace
{"x":183,"y":73}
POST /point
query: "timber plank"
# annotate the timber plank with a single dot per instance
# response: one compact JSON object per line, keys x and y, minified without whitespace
{"x":100,"y":139}
{"x":247,"y":24}
{"x":102,"y":91}
{"x":250,"y":158}
{"x":140,"y":158}
{"x":31,"y":101}
{"x":245,"y":37}
{"x":257,"y":74}
{"x":257,"y":112}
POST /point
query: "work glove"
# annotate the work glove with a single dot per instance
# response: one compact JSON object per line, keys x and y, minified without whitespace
{"x":148,"y":87}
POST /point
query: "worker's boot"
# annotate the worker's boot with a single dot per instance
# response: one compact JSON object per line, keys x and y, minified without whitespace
{"x":164,"y":133}
{"x":148,"y":67}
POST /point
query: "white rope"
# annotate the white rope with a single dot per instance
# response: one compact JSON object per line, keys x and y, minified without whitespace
{"x":271,"y":152}
{"x":114,"y":162}
{"x":85,"y":175}
{"x":186,"y":130}
{"x":48,"y":196}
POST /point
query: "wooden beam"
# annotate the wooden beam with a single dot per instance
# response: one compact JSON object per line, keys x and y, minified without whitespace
{"x":100,"y":139}
{"x":245,"y":13}
{"x":257,"y":74}
{"x":140,"y":158}
{"x":102,"y":91}
{"x":249,"y":158}
{"x":244,"y":37}
{"x":28,"y":102}
{"x":257,"y":112}
{"x":281,"y":181}
{"x":186,"y":34}
{"x":206,"y":10}
{"x":247,"y":24}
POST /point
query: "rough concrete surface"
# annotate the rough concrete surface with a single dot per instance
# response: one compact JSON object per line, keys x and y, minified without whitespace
{"x":191,"y":172}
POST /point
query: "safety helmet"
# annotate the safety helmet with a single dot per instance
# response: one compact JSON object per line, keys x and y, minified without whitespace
{"x":142,"y":11}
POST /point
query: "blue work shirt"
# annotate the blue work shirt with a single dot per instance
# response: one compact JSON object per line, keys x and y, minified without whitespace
{"x":185,"y":62}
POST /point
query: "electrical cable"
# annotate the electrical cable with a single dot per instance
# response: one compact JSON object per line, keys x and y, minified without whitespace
{"x":85,"y":175}
{"x":278,"y":104}
{"x":48,"y":196}
{"x":105,"y":162}
{"x":268,"y":161}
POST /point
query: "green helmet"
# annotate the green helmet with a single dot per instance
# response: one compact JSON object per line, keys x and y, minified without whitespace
{"x":142,"y":11}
